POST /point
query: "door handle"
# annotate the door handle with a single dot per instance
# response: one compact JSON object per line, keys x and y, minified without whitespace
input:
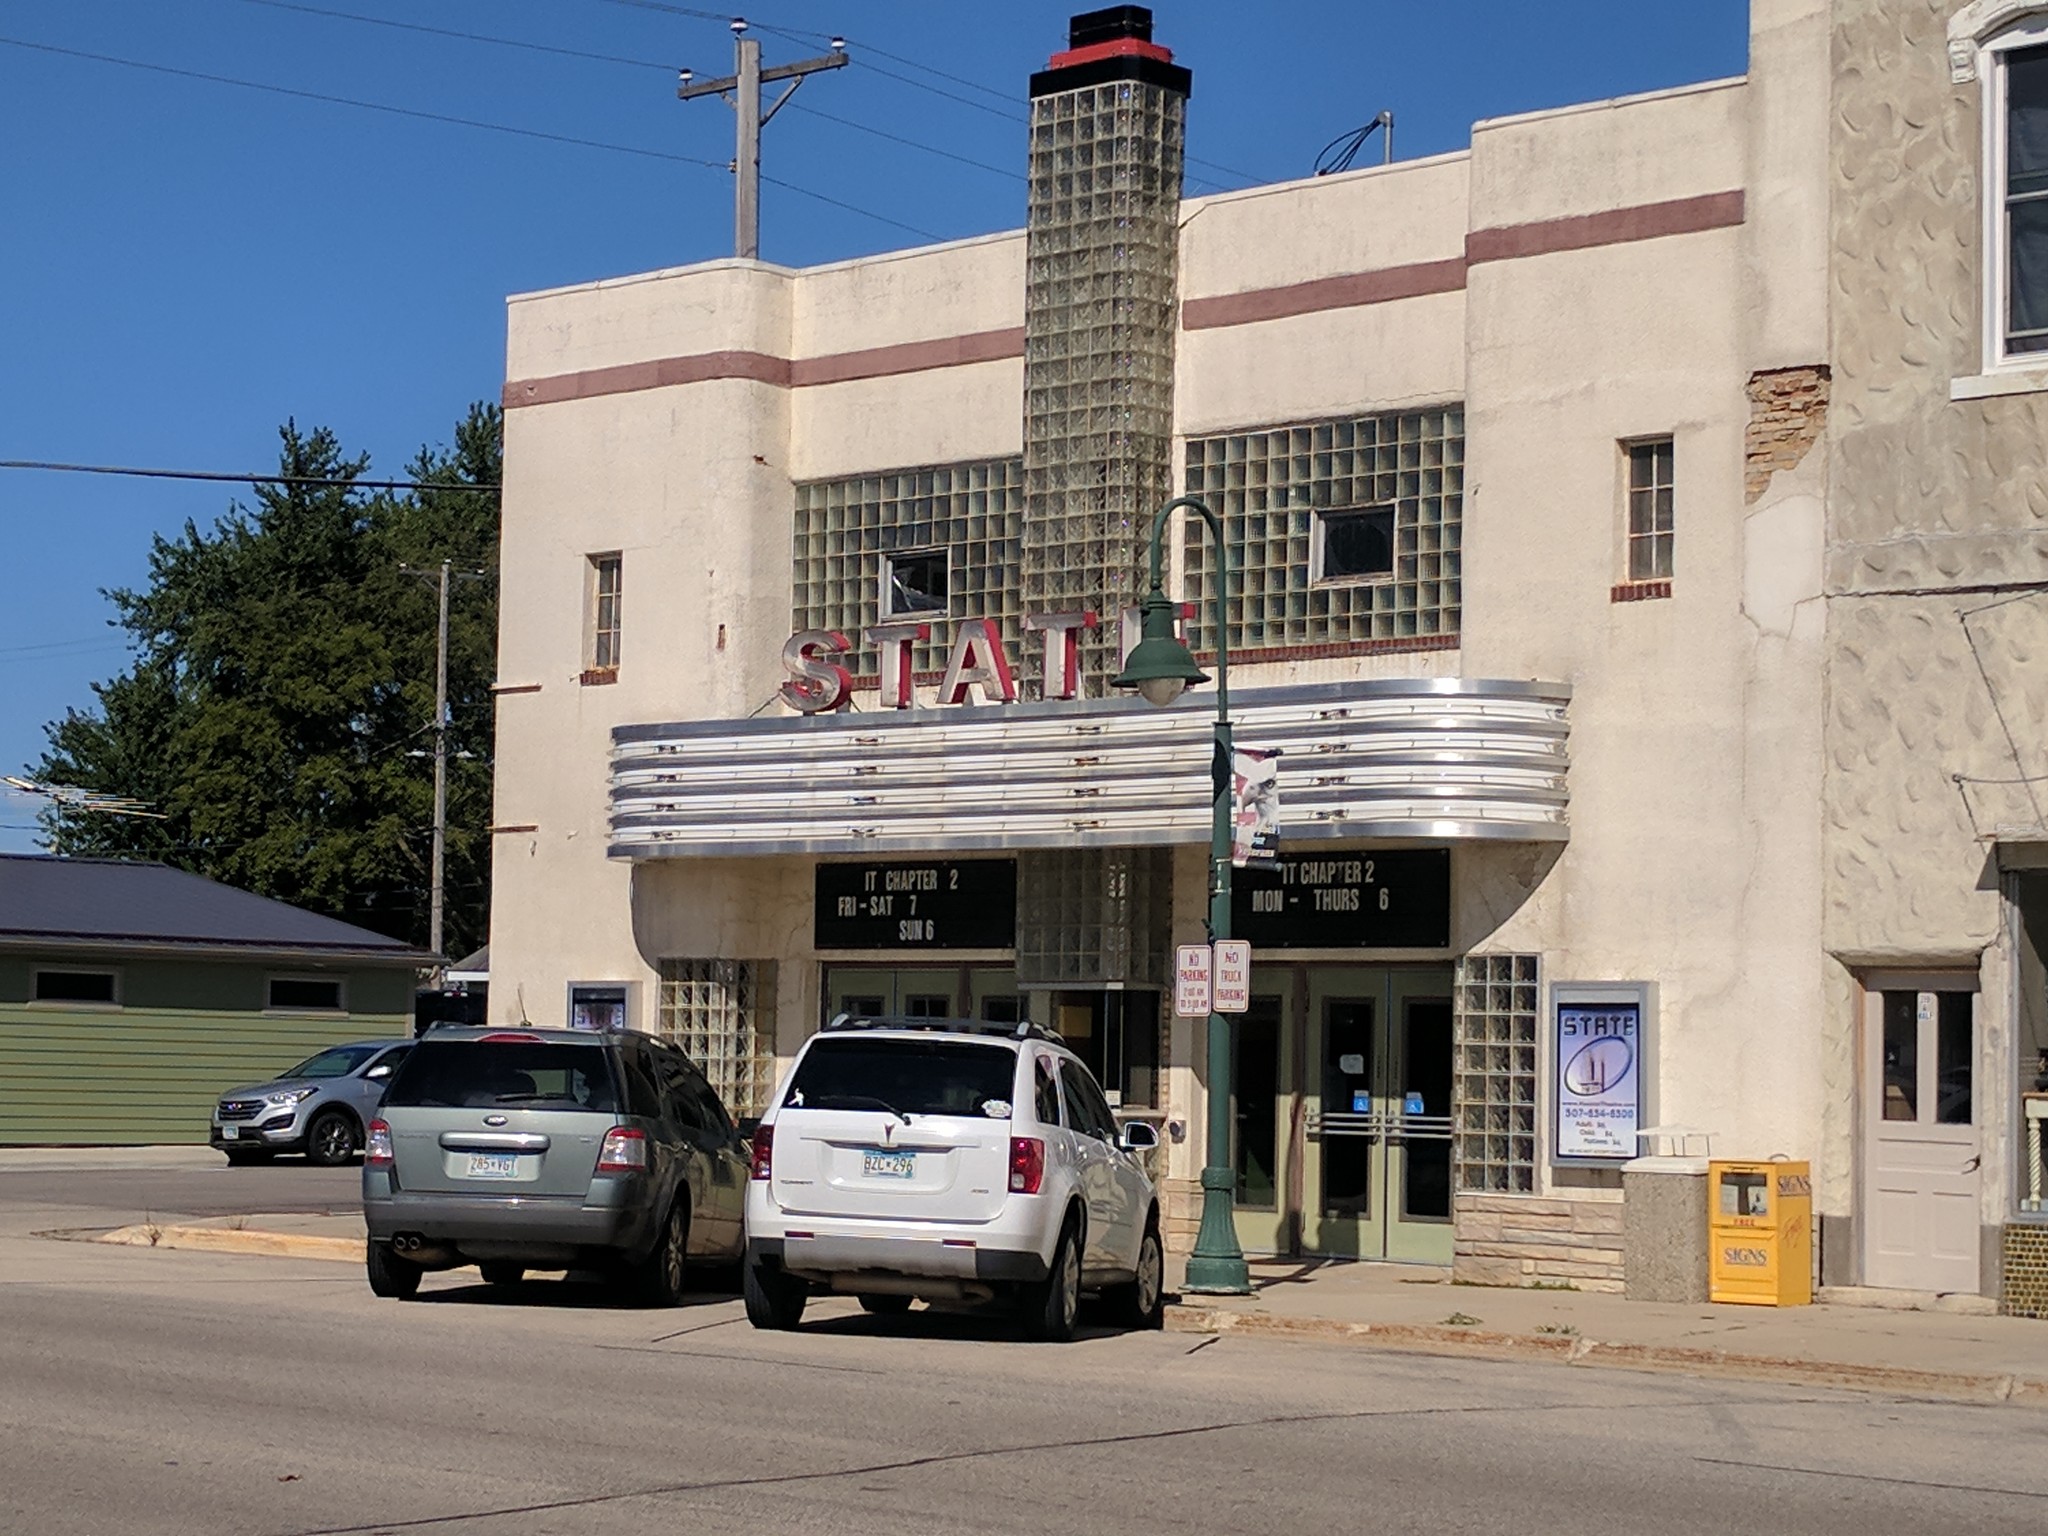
{"x":1974,"y":1163}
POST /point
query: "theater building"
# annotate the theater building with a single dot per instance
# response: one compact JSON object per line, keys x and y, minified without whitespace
{"x":1577,"y":561}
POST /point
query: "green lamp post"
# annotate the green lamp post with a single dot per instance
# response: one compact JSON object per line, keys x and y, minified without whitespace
{"x":1161,"y":668}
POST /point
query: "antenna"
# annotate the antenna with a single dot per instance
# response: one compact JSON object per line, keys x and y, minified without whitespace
{"x":1338,"y":154}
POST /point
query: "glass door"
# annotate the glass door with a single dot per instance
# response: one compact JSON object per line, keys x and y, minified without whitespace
{"x":1262,"y":1106}
{"x":1417,"y":1148}
{"x":1376,"y":1162}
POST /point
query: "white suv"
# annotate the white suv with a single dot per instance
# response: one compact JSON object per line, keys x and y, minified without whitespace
{"x":953,"y":1161}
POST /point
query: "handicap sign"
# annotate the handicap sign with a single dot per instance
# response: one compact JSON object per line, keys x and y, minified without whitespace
{"x":1412,"y":1104}
{"x":1361,"y":1102}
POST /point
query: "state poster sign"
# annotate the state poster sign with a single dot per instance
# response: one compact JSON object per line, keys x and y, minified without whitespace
{"x":1599,"y":1079}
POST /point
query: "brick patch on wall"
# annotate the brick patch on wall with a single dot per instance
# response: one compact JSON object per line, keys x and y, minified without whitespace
{"x":2025,"y":1289}
{"x":1525,"y":1240}
{"x":1788,"y":408}
{"x":1639,"y":591}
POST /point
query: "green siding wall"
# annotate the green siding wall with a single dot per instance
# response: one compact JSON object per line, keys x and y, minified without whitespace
{"x":150,"y":1071}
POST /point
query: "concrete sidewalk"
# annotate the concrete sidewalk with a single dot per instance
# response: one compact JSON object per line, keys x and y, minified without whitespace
{"x":1418,"y":1310}
{"x":1941,"y":1353}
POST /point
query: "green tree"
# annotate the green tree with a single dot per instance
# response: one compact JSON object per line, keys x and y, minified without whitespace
{"x":279,"y":709}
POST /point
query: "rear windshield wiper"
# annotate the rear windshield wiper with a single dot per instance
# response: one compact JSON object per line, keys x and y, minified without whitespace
{"x":861,"y":1101}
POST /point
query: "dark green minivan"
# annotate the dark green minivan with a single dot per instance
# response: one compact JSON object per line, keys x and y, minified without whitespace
{"x":518,"y":1149}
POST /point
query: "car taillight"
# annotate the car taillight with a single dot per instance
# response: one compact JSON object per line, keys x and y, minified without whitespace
{"x":624,"y":1151}
{"x":764,"y":1152}
{"x":377,"y":1145}
{"x":1027,"y":1165}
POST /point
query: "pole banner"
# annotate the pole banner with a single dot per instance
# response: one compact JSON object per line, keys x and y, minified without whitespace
{"x":1254,"y":807}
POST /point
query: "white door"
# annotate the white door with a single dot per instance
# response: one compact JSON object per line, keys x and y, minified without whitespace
{"x":1920,"y":1139}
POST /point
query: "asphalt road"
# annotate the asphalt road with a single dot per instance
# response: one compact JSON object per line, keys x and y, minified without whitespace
{"x":163,"y":1392}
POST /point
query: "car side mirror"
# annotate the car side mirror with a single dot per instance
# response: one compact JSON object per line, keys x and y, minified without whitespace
{"x":1138,"y":1136}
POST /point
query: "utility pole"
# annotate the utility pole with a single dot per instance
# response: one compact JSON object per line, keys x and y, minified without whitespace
{"x":442,"y":578}
{"x":743,"y":89}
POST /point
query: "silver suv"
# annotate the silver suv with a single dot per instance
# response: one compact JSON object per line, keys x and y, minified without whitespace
{"x":954,"y":1161}
{"x":517,"y":1149}
{"x":319,"y":1107}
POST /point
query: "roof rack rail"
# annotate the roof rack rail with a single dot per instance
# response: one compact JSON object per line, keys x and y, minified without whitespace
{"x":1023,"y":1030}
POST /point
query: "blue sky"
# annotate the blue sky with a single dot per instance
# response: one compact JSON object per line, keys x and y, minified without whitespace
{"x":185,"y":263}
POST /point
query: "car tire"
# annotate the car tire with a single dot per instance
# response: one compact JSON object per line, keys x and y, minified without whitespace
{"x":391,"y":1276}
{"x":1052,"y":1306}
{"x":331,"y":1139}
{"x":246,"y":1157}
{"x":660,"y":1279}
{"x":885,"y":1304}
{"x":774,"y":1300}
{"x":502,"y":1274}
{"x":1141,"y":1303}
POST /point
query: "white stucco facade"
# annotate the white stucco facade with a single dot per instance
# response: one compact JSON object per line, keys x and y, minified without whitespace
{"x":1578,"y":282}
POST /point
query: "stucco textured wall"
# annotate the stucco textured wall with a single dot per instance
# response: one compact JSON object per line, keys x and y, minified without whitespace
{"x":1937,"y":521}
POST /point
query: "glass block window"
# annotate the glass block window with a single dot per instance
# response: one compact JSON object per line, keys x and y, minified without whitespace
{"x":848,"y":533}
{"x":1493,"y":1098}
{"x":1101,"y":261}
{"x":1284,"y":491}
{"x":1092,"y":916}
{"x":721,"y":1014}
{"x":1651,"y":488}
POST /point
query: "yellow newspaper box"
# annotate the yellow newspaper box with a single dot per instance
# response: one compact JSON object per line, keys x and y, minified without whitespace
{"x":1760,"y":1233}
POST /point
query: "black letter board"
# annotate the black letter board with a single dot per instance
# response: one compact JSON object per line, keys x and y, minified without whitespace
{"x":1346,"y":899}
{"x":918,"y":904}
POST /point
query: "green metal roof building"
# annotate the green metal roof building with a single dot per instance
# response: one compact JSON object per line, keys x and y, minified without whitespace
{"x":132,"y":994}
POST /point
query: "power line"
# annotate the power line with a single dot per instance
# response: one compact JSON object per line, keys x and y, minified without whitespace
{"x":459,"y":122}
{"x":235,"y":479}
{"x":895,"y":138}
{"x":613,"y":58}
{"x":459,"y":35}
{"x":467,"y":37}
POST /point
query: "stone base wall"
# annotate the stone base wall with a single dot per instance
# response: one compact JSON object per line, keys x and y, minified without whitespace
{"x":1180,"y":1214}
{"x":1524,"y":1240}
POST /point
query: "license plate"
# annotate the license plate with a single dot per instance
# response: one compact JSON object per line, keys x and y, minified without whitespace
{"x":493,"y":1165}
{"x":230,"y":1132}
{"x":887,"y":1165}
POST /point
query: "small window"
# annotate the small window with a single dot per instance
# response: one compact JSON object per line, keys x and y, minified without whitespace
{"x":75,"y":987}
{"x":1353,"y":545}
{"x":914,"y":584}
{"x":301,"y":994}
{"x":604,"y":612}
{"x":1650,"y":509}
{"x":2020,"y":210}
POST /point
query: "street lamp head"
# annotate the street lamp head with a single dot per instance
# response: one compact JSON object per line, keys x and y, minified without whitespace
{"x":1160,"y":667}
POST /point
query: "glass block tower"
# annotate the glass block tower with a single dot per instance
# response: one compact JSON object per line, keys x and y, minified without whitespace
{"x":1108,"y":118}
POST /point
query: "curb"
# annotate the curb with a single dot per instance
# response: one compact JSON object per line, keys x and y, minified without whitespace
{"x":1972,"y":1386}
{"x":277,"y":1245}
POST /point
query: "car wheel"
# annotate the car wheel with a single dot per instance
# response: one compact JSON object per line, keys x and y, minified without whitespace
{"x":331,"y":1139}
{"x":1142,"y":1302}
{"x":246,"y":1157}
{"x":886,"y":1304}
{"x":774,"y":1300}
{"x":390,"y":1275}
{"x":502,"y":1274}
{"x":1052,"y":1305}
{"x":658,"y":1280}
